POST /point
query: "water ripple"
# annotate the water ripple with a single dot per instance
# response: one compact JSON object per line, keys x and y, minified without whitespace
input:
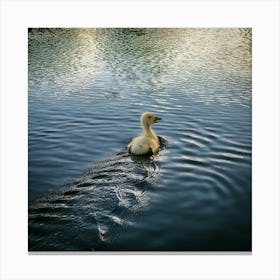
{"x":86,"y":91}
{"x":109,"y":192}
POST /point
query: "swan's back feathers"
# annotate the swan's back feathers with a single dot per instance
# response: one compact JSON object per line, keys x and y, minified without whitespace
{"x":140,"y":145}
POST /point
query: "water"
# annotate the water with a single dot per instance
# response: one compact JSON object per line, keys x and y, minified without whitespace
{"x":87,"y":90}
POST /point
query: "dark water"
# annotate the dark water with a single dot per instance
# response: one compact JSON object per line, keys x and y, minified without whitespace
{"x":87,"y":90}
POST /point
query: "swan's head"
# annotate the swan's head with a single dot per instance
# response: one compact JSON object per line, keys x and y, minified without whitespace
{"x":149,"y":118}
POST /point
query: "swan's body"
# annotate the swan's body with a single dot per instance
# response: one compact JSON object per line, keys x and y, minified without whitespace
{"x":148,"y":142}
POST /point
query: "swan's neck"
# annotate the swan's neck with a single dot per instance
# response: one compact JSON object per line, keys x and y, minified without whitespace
{"x":148,"y":132}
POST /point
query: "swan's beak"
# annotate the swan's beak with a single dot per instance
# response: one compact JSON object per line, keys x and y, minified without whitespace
{"x":157,"y":119}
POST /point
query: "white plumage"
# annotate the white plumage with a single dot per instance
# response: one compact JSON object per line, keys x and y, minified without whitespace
{"x":148,"y":142}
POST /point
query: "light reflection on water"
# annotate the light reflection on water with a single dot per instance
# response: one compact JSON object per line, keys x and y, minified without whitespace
{"x":87,"y":90}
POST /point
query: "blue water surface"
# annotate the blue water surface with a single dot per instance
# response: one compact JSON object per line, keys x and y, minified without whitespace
{"x":87,"y":90}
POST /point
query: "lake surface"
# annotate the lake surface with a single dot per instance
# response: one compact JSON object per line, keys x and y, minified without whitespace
{"x":87,"y":91}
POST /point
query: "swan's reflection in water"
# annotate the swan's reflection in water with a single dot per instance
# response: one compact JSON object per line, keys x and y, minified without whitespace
{"x":86,"y":213}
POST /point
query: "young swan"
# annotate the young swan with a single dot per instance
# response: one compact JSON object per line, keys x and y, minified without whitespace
{"x":148,"y":142}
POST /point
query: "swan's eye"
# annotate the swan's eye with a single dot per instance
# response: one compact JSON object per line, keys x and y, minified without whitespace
{"x":150,"y":117}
